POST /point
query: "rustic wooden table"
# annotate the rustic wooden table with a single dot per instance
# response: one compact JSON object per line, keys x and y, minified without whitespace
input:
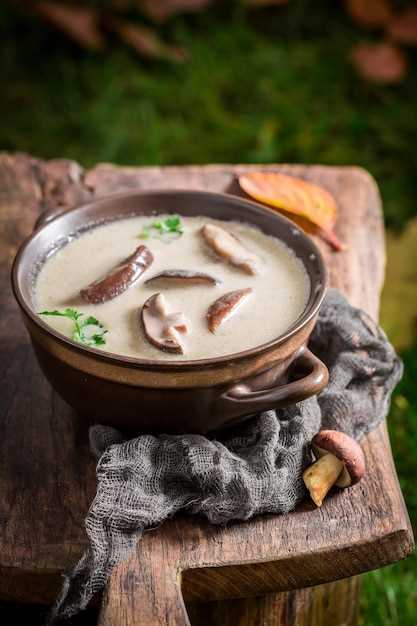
{"x":255,"y":573}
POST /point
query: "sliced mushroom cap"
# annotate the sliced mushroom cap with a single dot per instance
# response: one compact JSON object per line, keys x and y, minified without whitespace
{"x":230,"y":248}
{"x":344,"y":448}
{"x":183,"y":277}
{"x":222,"y":309}
{"x":162,"y":329}
{"x":119,"y":278}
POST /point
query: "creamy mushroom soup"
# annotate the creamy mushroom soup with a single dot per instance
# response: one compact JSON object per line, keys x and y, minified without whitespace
{"x":225,"y":287}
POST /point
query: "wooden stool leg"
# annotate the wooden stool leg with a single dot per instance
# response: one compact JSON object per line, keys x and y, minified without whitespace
{"x":333,"y":604}
{"x":144,"y":590}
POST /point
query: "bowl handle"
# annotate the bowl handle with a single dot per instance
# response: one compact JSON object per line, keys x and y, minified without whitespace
{"x":257,"y":394}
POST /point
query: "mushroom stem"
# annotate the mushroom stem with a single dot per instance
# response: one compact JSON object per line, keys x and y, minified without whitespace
{"x":321,"y":476}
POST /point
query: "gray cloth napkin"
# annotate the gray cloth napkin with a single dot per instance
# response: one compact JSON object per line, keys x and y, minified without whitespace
{"x":256,"y":468}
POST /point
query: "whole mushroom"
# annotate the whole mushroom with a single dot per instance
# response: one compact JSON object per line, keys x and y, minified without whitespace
{"x":340,"y":462}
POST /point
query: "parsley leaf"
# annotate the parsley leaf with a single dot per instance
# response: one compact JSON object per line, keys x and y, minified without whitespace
{"x":173,"y":223}
{"x":89,"y":331}
{"x":167,"y":229}
{"x":72,"y":314}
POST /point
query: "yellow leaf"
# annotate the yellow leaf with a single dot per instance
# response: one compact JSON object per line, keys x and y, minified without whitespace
{"x":301,"y":201}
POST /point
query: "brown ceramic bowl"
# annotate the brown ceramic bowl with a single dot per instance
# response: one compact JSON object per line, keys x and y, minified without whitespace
{"x":173,"y":396}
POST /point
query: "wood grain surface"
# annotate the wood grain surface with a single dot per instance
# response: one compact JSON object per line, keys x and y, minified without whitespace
{"x":332,"y":604}
{"x":47,"y":473}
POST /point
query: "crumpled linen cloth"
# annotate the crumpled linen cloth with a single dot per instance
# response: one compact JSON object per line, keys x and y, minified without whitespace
{"x":256,"y":468}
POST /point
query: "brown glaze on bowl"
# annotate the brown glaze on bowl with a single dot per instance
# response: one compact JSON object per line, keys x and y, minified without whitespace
{"x":142,"y":395}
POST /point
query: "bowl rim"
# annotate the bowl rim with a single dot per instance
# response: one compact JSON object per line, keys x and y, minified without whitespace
{"x":310,"y":311}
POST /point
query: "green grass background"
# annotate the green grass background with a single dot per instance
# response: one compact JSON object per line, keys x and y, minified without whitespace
{"x":267,"y":85}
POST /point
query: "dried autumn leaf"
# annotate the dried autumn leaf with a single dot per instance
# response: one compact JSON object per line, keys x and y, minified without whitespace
{"x":381,"y":63}
{"x":79,"y":23}
{"x":145,"y":41}
{"x":369,"y":13}
{"x":403,"y":28}
{"x":300,"y":200}
{"x":161,"y":10}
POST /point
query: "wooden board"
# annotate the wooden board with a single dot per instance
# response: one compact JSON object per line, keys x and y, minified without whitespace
{"x":47,"y":473}
{"x":332,"y":604}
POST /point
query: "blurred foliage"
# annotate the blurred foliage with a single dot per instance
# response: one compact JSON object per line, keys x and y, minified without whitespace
{"x":399,"y":298}
{"x":270,"y":85}
{"x":390,"y":594}
{"x":403,"y":430}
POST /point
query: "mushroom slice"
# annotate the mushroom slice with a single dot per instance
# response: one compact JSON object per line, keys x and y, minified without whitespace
{"x":162,"y":329}
{"x":225,"y":306}
{"x":183,"y":277}
{"x":230,"y":248}
{"x":119,"y":278}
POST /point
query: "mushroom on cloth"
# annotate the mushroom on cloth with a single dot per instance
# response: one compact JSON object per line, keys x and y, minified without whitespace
{"x":340,"y":462}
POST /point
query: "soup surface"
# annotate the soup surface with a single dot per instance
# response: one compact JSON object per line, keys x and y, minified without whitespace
{"x":280,"y":289}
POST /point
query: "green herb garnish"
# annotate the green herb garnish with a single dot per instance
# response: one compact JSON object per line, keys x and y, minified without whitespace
{"x":88,"y":331}
{"x":167,"y":229}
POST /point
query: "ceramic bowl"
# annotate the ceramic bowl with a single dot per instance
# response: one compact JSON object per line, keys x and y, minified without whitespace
{"x":143,"y":395}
